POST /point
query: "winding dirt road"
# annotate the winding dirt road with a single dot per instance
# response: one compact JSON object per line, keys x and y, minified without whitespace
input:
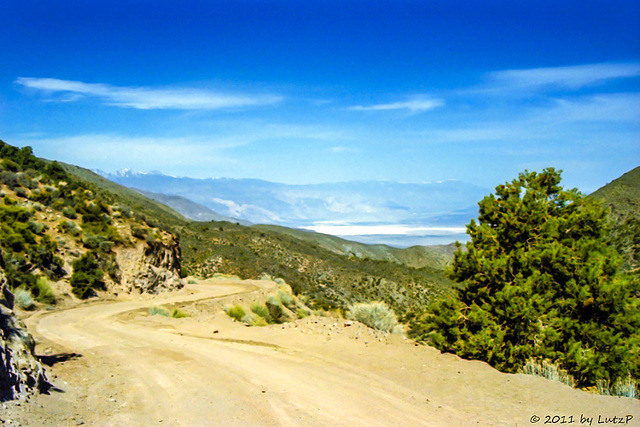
{"x":206,"y":370}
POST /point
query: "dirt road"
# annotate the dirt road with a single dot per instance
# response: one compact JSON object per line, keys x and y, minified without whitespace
{"x":116,"y":365}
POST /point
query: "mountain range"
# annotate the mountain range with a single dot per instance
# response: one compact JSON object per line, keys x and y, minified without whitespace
{"x":439,"y":205}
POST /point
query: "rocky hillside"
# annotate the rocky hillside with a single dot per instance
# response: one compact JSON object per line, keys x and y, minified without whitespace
{"x":20,"y":372}
{"x":64,"y":236}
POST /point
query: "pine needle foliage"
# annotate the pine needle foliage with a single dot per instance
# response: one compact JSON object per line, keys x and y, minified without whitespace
{"x":540,"y":283}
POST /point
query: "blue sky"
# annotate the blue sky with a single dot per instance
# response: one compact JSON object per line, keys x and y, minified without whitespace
{"x":317,"y":91}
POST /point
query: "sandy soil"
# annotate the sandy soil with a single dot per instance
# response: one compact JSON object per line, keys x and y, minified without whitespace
{"x":113,"y":364}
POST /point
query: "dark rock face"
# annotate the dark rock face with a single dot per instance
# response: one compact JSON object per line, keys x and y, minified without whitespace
{"x":21,"y":373}
{"x":160,"y":269}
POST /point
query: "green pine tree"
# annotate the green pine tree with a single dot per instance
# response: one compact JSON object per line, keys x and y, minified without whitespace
{"x":540,"y":282}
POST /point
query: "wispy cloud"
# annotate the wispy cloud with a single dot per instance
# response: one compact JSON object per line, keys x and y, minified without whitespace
{"x":572,"y":77}
{"x":415,"y":105}
{"x":612,"y":108}
{"x":341,"y":149}
{"x":146,"y":98}
{"x":569,"y":121}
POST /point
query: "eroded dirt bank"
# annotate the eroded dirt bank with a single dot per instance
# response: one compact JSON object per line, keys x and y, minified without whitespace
{"x":114,"y":364}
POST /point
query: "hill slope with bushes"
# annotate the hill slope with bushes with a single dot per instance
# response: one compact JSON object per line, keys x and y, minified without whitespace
{"x":330,"y":277}
{"x":56,"y":228}
{"x":622,"y":197}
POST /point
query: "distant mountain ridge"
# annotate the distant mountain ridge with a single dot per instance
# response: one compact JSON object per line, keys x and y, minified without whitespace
{"x":356,"y":202}
{"x":189,"y":209}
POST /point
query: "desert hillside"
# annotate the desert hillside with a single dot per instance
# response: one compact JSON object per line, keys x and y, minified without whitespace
{"x":141,"y":317}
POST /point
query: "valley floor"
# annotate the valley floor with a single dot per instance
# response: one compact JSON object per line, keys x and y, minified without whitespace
{"x":114,"y":365}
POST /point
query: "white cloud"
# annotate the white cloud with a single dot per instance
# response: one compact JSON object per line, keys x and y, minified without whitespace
{"x":571,"y":77}
{"x":619,"y":107}
{"x":414,"y":105}
{"x":147,"y":98}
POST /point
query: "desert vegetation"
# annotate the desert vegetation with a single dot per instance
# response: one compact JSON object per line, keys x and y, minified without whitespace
{"x":42,"y":206}
{"x":376,"y":315}
{"x":159,"y":310}
{"x":279,"y":307}
{"x":540,"y":282}
{"x":547,"y":286}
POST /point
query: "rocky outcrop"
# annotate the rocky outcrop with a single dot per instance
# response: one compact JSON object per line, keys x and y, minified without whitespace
{"x":20,"y":371}
{"x":152,"y":268}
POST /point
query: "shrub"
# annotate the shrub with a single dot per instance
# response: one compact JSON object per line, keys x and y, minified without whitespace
{"x":376,"y":315}
{"x":626,"y":387}
{"x":539,"y":281}
{"x":45,"y":292}
{"x":69,"y":227}
{"x":69,"y":212}
{"x":248,"y":318}
{"x":138,"y":232}
{"x":260,"y":309}
{"x":101,"y":243}
{"x":259,"y":321}
{"x":548,"y":370}
{"x":36,"y":227}
{"x":158,"y":310}
{"x":286,"y":299}
{"x":265,"y":276}
{"x":178,"y":314}
{"x":302,"y":313}
{"x":276,"y":313}
{"x":24,"y":299}
{"x":236,"y":312}
{"x":9,"y":165}
{"x":87,"y":276}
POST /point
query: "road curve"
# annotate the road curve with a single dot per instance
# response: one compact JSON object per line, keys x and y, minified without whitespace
{"x":180,"y":379}
{"x":137,"y":371}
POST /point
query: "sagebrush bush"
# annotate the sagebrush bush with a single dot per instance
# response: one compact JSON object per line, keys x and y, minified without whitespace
{"x":626,"y":388}
{"x":24,"y":299}
{"x":248,"y":318}
{"x":286,"y":299}
{"x":158,"y":310}
{"x":376,"y":315}
{"x":548,"y":370}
